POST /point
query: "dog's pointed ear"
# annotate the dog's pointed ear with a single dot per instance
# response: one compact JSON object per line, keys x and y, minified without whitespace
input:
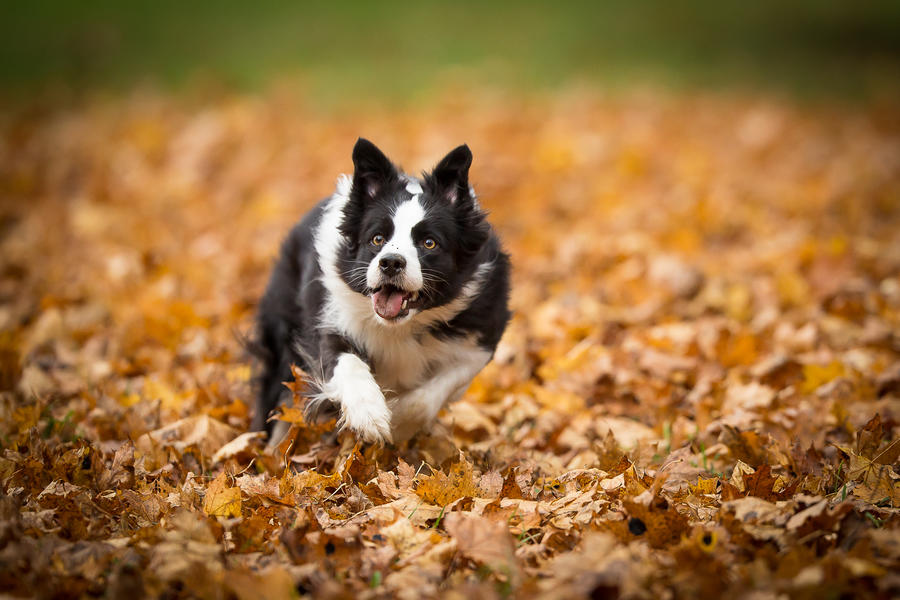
{"x":450,"y":178}
{"x":372,"y":170}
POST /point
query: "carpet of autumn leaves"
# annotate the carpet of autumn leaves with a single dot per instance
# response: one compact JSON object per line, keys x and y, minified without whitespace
{"x":698,"y":394}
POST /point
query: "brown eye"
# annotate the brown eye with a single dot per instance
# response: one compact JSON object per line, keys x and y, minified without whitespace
{"x":429,"y":244}
{"x":378,"y":239}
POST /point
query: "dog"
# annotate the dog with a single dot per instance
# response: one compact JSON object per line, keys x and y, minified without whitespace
{"x":391,"y":295}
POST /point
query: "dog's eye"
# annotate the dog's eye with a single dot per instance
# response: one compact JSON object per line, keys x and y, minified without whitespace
{"x":429,"y":244}
{"x":378,"y":239}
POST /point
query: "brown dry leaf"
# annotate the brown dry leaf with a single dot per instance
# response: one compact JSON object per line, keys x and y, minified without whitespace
{"x":697,"y":395}
{"x":760,"y":483}
{"x":241,"y":445}
{"x":510,"y":488}
{"x":121,"y":473}
{"x":299,"y":384}
{"x":187,"y":556}
{"x":387,"y":485}
{"x":815,"y":376}
{"x":274,"y":583}
{"x":441,"y":489}
{"x":746,"y":446}
{"x":222,"y":500}
{"x":201,"y":431}
{"x":291,"y":414}
{"x":705,"y":486}
{"x":485,"y":541}
{"x":877,"y":482}
{"x":741,"y":470}
{"x":405,"y":475}
{"x":310,"y":485}
{"x":657,"y":522}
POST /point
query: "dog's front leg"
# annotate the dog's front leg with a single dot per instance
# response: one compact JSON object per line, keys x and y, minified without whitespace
{"x":345,"y":380}
{"x":417,"y":409}
{"x":354,"y":389}
{"x":363,"y":409}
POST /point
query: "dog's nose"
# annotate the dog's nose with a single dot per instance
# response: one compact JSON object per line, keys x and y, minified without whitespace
{"x":391,"y":264}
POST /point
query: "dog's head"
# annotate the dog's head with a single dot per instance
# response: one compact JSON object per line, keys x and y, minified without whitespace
{"x":410,"y":244}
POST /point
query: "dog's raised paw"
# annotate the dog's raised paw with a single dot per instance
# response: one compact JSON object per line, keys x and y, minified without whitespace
{"x":369,"y":420}
{"x":368,"y":424}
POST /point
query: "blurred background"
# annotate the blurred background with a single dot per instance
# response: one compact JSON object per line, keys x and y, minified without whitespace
{"x":340,"y":52}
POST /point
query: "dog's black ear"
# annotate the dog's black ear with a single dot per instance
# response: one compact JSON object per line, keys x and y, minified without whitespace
{"x":450,"y":178}
{"x":372,"y":170}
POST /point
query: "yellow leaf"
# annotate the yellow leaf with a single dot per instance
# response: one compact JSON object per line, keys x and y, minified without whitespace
{"x":155,"y":389}
{"x":441,"y":490}
{"x":792,"y":288}
{"x":705,"y":486}
{"x":238,"y":374}
{"x":310,"y":484}
{"x":131,"y":399}
{"x":291,"y":414}
{"x":738,"y":301}
{"x":221,"y":500}
{"x":815,"y":376}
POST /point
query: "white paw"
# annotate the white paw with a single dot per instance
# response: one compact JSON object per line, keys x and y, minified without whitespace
{"x":368,"y":417}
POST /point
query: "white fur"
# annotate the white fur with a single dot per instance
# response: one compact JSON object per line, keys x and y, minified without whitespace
{"x":363,"y":409}
{"x":418,"y":371}
{"x":418,"y":408}
{"x":413,"y":186}
{"x":406,"y":216}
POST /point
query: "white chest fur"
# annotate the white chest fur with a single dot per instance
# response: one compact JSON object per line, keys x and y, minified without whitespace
{"x":403,"y":363}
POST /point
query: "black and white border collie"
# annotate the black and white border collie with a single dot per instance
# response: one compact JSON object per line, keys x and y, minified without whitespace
{"x":391,"y":294}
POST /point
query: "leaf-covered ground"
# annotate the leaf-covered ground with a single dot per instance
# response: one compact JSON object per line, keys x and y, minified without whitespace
{"x":698,"y":395}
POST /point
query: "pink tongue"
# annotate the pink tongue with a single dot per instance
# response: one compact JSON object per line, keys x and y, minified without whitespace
{"x":387,"y":305}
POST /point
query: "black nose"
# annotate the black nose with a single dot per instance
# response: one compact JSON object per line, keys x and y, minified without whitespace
{"x":391,"y":264}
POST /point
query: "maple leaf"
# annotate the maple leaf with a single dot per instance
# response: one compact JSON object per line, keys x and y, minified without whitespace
{"x":202,"y":431}
{"x":309,"y":485}
{"x":485,"y":541}
{"x":242,"y":444}
{"x":441,"y":489}
{"x":815,"y":376}
{"x":221,"y":500}
{"x":658,"y":522}
{"x":291,"y":414}
{"x":877,"y":482}
{"x":705,"y":486}
{"x":761,"y":483}
{"x":868,"y":439}
{"x":510,"y":488}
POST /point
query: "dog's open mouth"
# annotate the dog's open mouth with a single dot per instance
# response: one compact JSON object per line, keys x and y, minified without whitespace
{"x":391,"y":302}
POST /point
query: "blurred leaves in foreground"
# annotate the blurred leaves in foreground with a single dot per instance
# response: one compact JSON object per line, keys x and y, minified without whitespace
{"x":698,"y":394}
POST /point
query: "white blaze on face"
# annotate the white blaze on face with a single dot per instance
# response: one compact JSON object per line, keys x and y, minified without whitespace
{"x":406,"y":216}
{"x":413,"y":187}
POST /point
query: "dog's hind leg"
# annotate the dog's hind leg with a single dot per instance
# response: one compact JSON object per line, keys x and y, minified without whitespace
{"x":417,"y":409}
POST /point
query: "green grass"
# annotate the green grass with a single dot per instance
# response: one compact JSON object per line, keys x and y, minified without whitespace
{"x":346,"y":50}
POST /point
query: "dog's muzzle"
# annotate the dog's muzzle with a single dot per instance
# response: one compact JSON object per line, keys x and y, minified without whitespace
{"x":391,"y":302}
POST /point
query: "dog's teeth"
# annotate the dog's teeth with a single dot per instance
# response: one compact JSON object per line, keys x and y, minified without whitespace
{"x":405,"y":303}
{"x":415,"y":296}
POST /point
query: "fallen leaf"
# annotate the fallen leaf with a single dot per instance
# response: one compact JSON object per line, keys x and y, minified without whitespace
{"x":222,"y":500}
{"x":485,"y":541}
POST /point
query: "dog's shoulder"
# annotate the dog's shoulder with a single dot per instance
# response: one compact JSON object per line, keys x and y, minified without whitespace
{"x":486,"y":313}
